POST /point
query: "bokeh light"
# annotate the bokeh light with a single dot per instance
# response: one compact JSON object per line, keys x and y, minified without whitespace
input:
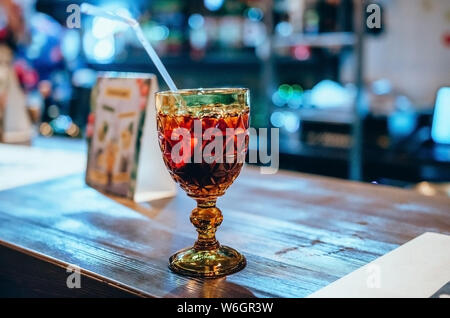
{"x":285,"y":91}
{"x":198,"y":39}
{"x":291,"y":122}
{"x":104,"y":49}
{"x":284,"y":29}
{"x":255,"y":14}
{"x":213,"y":5}
{"x":155,"y":32}
{"x":46,"y":130}
{"x":53,"y":111}
{"x":287,"y":120}
{"x":70,"y":44}
{"x":196,"y":21}
{"x":302,"y":52}
{"x":277,"y":100}
{"x":277,"y":119}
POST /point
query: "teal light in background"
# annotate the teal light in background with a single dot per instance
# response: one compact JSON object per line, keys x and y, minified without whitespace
{"x":255,"y":14}
{"x":283,"y":28}
{"x":285,"y":91}
{"x":196,"y":21}
{"x":213,"y":5}
{"x":71,"y":44}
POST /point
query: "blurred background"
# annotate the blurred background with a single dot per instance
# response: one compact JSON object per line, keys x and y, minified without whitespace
{"x":350,"y":101}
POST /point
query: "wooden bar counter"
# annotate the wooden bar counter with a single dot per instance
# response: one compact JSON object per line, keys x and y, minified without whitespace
{"x":299,"y":233}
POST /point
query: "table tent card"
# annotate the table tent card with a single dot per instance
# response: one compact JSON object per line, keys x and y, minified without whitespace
{"x":124,"y":158}
{"x":15,"y":124}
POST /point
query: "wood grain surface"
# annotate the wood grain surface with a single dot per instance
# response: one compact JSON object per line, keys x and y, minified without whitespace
{"x":298,"y":232}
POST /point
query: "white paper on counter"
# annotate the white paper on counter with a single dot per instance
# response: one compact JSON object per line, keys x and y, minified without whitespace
{"x":417,"y":269}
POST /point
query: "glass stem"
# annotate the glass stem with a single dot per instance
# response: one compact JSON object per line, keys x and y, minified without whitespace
{"x":206,"y":217}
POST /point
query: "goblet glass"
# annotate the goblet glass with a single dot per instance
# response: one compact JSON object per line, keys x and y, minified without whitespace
{"x":203,"y":135}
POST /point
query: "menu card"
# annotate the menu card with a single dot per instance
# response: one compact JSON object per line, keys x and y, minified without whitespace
{"x":124,"y":158}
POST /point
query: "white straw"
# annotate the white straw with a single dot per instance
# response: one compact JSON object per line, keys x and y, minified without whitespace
{"x":96,"y":11}
{"x":99,"y":12}
{"x":155,"y":58}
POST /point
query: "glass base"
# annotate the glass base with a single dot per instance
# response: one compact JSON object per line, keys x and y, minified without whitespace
{"x":208,"y":263}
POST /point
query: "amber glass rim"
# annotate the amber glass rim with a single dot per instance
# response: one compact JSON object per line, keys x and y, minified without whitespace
{"x":206,"y":91}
